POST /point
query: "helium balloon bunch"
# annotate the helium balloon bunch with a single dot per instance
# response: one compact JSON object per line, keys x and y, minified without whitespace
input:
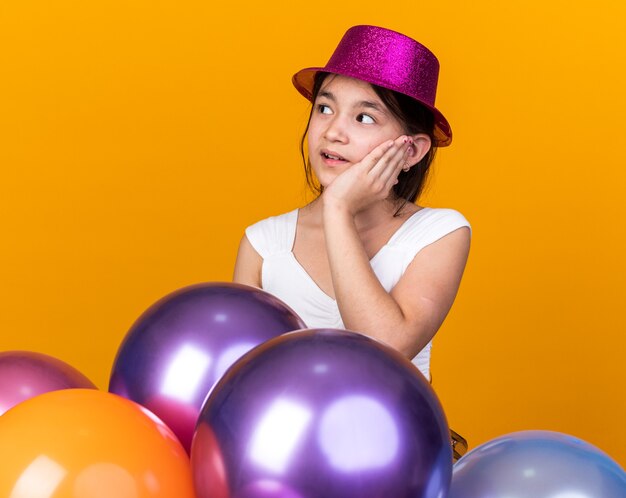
{"x":311,"y":413}
{"x":61,"y":437}
{"x":218,"y":390}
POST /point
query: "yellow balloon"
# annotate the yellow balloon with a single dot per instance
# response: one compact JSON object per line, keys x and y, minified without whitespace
{"x":83,"y":443}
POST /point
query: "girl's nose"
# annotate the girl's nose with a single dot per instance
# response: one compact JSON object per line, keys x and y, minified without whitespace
{"x":336,"y":131}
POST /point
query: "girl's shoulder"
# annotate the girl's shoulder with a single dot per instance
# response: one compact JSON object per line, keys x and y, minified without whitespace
{"x":428,"y":224}
{"x":274,"y":234}
{"x":440,"y":215}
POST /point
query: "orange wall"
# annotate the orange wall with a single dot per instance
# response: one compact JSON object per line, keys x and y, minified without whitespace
{"x":138,"y":139}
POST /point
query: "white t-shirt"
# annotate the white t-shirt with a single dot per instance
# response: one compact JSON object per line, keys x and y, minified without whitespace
{"x":283,"y":276}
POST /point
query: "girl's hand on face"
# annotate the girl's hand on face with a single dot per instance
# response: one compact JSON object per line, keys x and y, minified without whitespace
{"x":371,"y":179}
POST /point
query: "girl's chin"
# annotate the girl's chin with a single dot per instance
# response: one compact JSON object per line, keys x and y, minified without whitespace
{"x":326,"y":179}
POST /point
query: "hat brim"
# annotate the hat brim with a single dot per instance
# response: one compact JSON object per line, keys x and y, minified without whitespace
{"x":304,"y":80}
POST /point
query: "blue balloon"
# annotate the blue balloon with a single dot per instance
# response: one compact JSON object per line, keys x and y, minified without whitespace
{"x":537,"y":464}
{"x":322,"y":414}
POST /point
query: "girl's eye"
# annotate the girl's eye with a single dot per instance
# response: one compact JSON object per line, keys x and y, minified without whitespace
{"x":323,"y":109}
{"x":365,"y":118}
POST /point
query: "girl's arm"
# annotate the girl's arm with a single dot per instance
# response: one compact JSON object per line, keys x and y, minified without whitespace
{"x":248,"y":264}
{"x":410,"y":315}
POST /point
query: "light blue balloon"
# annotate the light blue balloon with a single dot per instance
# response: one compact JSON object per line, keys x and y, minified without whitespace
{"x":537,"y":464}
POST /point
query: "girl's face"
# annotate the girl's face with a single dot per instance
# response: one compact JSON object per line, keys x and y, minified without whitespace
{"x":347,"y":122}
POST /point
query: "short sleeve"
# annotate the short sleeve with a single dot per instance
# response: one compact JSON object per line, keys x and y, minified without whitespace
{"x":273,"y":235}
{"x":425,"y":227}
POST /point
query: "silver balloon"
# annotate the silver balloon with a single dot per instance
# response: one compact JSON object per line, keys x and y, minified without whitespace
{"x":537,"y":464}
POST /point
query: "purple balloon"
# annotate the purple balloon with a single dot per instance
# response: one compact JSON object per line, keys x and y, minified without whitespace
{"x":537,"y":464}
{"x":322,"y":414}
{"x":181,"y":346}
{"x":25,"y":374}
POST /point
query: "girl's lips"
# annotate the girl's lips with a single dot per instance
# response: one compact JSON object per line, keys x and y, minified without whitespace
{"x":332,"y":159}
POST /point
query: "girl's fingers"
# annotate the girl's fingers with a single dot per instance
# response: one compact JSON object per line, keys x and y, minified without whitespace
{"x":388,"y":157}
{"x":377,"y":155}
{"x":399,"y":164}
{"x":395,"y":163}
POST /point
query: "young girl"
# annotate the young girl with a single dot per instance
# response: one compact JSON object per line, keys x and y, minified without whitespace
{"x":363,"y":256}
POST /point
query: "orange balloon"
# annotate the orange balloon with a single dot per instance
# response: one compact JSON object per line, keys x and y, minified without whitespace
{"x":83,"y":443}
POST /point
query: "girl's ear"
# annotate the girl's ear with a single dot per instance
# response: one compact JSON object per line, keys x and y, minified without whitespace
{"x":421,"y":145}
